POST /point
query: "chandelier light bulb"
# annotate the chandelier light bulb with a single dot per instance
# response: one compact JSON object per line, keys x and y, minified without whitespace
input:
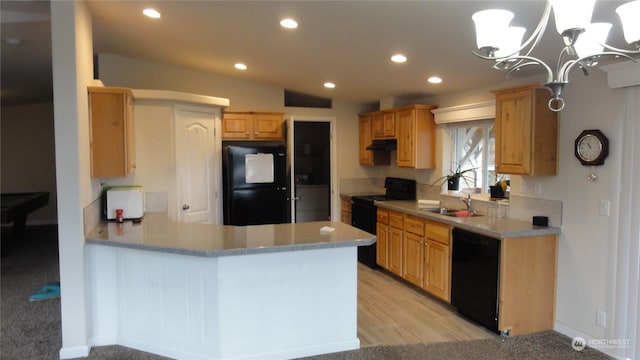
{"x":630,"y":17}
{"x":590,"y":43}
{"x":511,"y":42}
{"x":572,"y":14}
{"x":490,"y":26}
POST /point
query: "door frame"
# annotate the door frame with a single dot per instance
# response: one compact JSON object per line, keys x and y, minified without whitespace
{"x":216,"y":172}
{"x":334,"y":197}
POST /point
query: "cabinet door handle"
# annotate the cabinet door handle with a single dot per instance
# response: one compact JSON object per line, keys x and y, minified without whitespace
{"x":247,"y":133}
{"x":185,"y":207}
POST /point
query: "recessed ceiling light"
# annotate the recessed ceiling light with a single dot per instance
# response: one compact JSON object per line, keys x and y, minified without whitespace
{"x":240,"y":66}
{"x":152,"y":13}
{"x":329,"y":85}
{"x":434,"y":80}
{"x":289,"y":23}
{"x":399,"y":58}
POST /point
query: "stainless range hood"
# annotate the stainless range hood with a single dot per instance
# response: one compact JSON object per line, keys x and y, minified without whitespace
{"x":385,"y":145}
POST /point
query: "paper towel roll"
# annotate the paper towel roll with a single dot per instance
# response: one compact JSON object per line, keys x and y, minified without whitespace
{"x":433,"y":203}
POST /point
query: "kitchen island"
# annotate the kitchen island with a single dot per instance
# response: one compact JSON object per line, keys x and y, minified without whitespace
{"x":202,"y":291}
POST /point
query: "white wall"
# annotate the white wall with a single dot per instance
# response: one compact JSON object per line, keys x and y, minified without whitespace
{"x":28,"y":155}
{"x":72,"y":72}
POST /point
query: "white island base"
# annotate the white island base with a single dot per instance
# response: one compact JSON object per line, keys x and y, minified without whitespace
{"x":273,"y":305}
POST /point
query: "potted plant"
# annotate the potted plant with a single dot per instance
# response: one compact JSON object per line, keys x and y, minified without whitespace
{"x":453,"y":178}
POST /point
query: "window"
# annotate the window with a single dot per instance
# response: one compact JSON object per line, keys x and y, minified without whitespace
{"x":473,"y":147}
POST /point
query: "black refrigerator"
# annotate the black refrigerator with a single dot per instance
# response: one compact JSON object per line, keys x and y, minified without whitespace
{"x":255,"y":184}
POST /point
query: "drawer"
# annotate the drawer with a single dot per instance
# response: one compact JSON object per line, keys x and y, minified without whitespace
{"x":437,"y":231}
{"x":395,"y":220}
{"x":414,"y":225}
{"x":383,"y":217}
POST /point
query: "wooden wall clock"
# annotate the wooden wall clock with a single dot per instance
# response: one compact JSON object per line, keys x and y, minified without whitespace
{"x":592,"y":147}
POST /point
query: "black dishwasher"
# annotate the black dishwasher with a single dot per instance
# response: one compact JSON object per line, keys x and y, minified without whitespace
{"x":474,"y":277}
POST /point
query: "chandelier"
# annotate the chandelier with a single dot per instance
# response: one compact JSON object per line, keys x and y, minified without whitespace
{"x":584,"y":42}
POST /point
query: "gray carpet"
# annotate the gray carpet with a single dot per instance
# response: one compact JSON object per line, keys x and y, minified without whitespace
{"x":31,"y":330}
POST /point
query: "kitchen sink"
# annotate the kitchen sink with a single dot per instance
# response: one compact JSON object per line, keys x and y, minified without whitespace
{"x":449,"y":212}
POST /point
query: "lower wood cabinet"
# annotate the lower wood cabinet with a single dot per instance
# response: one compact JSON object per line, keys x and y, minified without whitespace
{"x":395,"y":243}
{"x":345,"y":211}
{"x":437,"y":266}
{"x":382,"y":233}
{"x":437,"y":260}
{"x":412,"y":250}
{"x":419,"y":250}
{"x":416,"y":249}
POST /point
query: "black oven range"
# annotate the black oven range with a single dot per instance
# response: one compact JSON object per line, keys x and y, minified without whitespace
{"x":363,"y":212}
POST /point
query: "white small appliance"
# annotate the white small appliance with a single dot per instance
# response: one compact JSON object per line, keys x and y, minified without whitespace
{"x":129,"y":199}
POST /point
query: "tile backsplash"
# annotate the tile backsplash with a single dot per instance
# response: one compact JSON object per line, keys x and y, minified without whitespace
{"x":362,"y":186}
{"x":156,"y":202}
{"x":92,"y":214}
{"x":524,"y":208}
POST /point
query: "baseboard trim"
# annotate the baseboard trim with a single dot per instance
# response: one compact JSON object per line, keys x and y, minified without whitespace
{"x":74,"y":352}
{"x":572,"y":333}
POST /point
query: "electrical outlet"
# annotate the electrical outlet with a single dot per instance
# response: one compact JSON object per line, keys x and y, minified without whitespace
{"x":605,"y":207}
{"x":601,"y":318}
{"x":537,"y":189}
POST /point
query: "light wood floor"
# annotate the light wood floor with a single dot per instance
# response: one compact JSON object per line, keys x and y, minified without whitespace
{"x":391,"y":312}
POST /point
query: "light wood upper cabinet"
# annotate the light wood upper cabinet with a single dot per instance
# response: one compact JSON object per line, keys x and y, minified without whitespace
{"x":252,"y":126}
{"x":364,"y":131}
{"x":111,"y":125}
{"x":526,"y":132}
{"x":368,"y":157}
{"x":384,"y":125}
{"x":416,"y":136}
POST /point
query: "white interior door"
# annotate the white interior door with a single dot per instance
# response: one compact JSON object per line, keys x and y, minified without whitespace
{"x":195,"y":165}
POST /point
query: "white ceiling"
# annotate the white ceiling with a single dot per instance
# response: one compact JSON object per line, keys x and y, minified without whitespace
{"x":347,"y":42}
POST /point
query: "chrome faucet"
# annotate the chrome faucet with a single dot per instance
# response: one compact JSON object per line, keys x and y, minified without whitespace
{"x":467,"y":202}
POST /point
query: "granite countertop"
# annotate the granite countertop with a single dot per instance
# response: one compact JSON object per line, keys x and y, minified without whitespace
{"x":500,"y":228}
{"x":157,"y":233}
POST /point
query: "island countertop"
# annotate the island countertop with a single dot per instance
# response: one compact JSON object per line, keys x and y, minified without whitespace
{"x":157,"y":233}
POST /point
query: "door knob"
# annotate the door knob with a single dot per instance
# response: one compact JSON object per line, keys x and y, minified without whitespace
{"x":185,"y":207}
